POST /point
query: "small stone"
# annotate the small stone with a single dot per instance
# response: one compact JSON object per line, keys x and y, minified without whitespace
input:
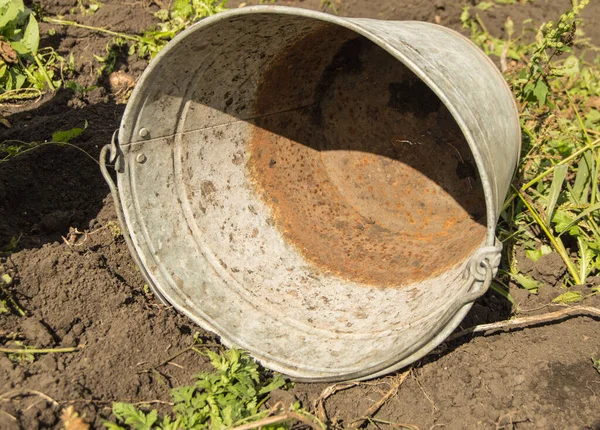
{"x":439,"y":4}
{"x":47,"y":363}
{"x":78,"y":329}
{"x":519,"y":379}
{"x":36,"y":332}
{"x":69,"y":340}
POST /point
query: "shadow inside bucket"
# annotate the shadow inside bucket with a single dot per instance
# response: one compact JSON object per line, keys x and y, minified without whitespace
{"x":371,"y":177}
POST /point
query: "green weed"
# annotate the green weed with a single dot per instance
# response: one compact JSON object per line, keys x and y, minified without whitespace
{"x":86,"y":7}
{"x":8,"y":303}
{"x":10,"y":149}
{"x":555,"y":199}
{"x":230,"y":396}
{"x":24,"y":357}
{"x":25,"y":69}
{"x":115,"y":229}
{"x":79,"y":89}
{"x":180,"y":16}
{"x":596,"y":363}
{"x":329,"y":5}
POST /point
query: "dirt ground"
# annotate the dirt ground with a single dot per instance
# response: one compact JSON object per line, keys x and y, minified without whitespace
{"x":79,"y":287}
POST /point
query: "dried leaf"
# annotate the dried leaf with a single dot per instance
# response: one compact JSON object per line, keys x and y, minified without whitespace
{"x":120,"y":81}
{"x":4,"y":122}
{"x":7,"y":52}
{"x":72,"y":420}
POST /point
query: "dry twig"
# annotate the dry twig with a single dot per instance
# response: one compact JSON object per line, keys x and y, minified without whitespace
{"x":277,"y":419}
{"x":319,"y":403}
{"x":399,"y":380}
{"x":39,"y":351}
{"x":24,"y":393}
{"x":523,"y":322}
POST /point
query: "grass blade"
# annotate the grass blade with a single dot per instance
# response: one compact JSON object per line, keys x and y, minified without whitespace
{"x":557,"y":182}
{"x":582,"y":215}
{"x":555,"y":241}
{"x":581,"y":187}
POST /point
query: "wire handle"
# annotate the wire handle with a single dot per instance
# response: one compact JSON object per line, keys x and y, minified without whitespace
{"x":111,"y":153}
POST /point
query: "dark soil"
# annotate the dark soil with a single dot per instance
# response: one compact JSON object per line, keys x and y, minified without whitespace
{"x":79,"y":287}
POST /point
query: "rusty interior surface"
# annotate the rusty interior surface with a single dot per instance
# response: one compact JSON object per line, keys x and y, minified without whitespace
{"x":365,"y":170}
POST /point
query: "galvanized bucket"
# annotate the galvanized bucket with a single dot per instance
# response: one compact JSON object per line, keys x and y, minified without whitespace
{"x":319,"y":191}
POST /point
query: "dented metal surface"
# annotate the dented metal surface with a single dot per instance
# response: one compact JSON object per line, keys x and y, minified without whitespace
{"x":320,"y":191}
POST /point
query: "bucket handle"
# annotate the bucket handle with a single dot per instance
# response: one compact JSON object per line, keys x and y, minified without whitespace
{"x":112,"y":153}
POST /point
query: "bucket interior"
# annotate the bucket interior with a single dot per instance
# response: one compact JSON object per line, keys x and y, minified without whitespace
{"x":373,"y":180}
{"x":364,"y":169}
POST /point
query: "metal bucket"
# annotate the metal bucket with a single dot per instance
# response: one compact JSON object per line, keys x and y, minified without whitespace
{"x":319,"y":191}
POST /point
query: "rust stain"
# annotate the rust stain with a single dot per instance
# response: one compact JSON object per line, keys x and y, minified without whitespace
{"x":360,"y":177}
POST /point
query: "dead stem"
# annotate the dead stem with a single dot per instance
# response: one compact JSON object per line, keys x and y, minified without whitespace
{"x":40,"y":351}
{"x":277,"y":419}
{"x":427,"y":396}
{"x":319,"y":403}
{"x":523,"y":322}
{"x":24,"y":393}
{"x":368,"y":414}
{"x":192,"y":347}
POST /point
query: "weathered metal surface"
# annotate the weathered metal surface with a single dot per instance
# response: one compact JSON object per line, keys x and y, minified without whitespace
{"x":320,"y":191}
{"x":373,"y":181}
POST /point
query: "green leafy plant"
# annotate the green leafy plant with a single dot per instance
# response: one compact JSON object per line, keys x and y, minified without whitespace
{"x":8,"y":303}
{"x":181,"y":15}
{"x":86,"y":7}
{"x":10,"y":149}
{"x":230,"y":396}
{"x":554,"y":204}
{"x":329,"y":5}
{"x":25,"y":69}
{"x":596,"y":363}
{"x":23,"y":357}
{"x":77,"y":88}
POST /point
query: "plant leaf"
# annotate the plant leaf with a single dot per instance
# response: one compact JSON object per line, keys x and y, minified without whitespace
{"x":565,"y":222}
{"x":586,"y":259}
{"x":568,"y":297}
{"x":535,"y":254}
{"x":540,"y":91}
{"x":485,"y":5}
{"x":581,"y":187}
{"x":570,"y":222}
{"x":555,"y":188}
{"x":10,"y":11}
{"x":526,"y":282}
{"x":65,"y":136}
{"x":31,"y":37}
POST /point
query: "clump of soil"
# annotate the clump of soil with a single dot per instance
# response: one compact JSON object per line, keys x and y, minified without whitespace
{"x":79,"y":287}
